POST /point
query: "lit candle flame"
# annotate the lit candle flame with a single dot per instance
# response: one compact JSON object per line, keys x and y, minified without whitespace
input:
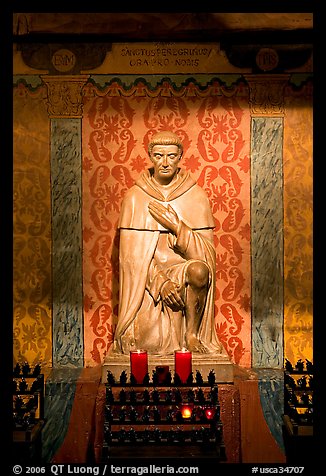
{"x":186,"y":412}
{"x":209,"y":413}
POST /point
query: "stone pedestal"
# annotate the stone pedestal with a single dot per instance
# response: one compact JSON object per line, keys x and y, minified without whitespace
{"x":204,"y":363}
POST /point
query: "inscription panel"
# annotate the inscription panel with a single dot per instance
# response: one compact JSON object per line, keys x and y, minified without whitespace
{"x":158,"y":58}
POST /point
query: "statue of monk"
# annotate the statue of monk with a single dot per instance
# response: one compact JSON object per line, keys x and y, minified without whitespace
{"x":167,"y":259}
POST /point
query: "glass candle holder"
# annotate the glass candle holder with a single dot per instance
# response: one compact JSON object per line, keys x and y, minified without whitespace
{"x":138,"y":365}
{"x":186,"y":411}
{"x":183,"y":364}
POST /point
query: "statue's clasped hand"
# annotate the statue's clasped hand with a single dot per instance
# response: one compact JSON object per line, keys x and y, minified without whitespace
{"x":166,"y":216}
{"x":171,"y":295}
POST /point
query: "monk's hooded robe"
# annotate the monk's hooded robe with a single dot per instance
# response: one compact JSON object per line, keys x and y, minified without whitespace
{"x":149,"y":255}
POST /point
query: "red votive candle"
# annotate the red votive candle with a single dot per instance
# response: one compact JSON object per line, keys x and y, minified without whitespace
{"x":183,"y":364}
{"x":138,"y":364}
{"x":186,"y":411}
{"x":209,"y":413}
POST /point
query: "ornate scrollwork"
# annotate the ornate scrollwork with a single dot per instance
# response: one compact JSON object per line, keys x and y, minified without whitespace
{"x":65,"y":99}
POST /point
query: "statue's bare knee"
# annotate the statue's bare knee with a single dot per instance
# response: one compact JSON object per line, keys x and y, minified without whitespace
{"x":197,"y":274}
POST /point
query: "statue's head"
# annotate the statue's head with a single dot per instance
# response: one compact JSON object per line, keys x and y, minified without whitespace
{"x":165,"y":138}
{"x":165,"y":151}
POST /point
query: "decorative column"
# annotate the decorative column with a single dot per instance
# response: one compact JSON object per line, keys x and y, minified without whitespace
{"x":267,"y":110}
{"x":65,"y":111}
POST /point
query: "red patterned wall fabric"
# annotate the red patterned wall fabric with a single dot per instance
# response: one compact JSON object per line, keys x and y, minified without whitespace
{"x":214,"y":125}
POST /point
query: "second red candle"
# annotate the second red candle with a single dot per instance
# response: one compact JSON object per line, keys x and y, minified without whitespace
{"x":138,"y":364}
{"x":183,"y":364}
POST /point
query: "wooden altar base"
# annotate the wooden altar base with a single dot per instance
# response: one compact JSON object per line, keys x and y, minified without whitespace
{"x":204,"y":363}
{"x":169,"y":451}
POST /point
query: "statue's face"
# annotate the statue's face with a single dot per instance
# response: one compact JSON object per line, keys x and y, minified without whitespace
{"x":165,"y":159}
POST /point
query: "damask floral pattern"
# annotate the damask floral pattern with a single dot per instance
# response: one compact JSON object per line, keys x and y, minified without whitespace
{"x":214,"y":124}
{"x":32,"y":319}
{"x":298,"y":226}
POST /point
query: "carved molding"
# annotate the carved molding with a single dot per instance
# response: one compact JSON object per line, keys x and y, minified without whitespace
{"x":65,"y":99}
{"x":266,"y":94}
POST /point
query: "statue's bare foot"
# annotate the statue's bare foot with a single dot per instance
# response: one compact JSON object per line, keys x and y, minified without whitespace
{"x":194,"y":345}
